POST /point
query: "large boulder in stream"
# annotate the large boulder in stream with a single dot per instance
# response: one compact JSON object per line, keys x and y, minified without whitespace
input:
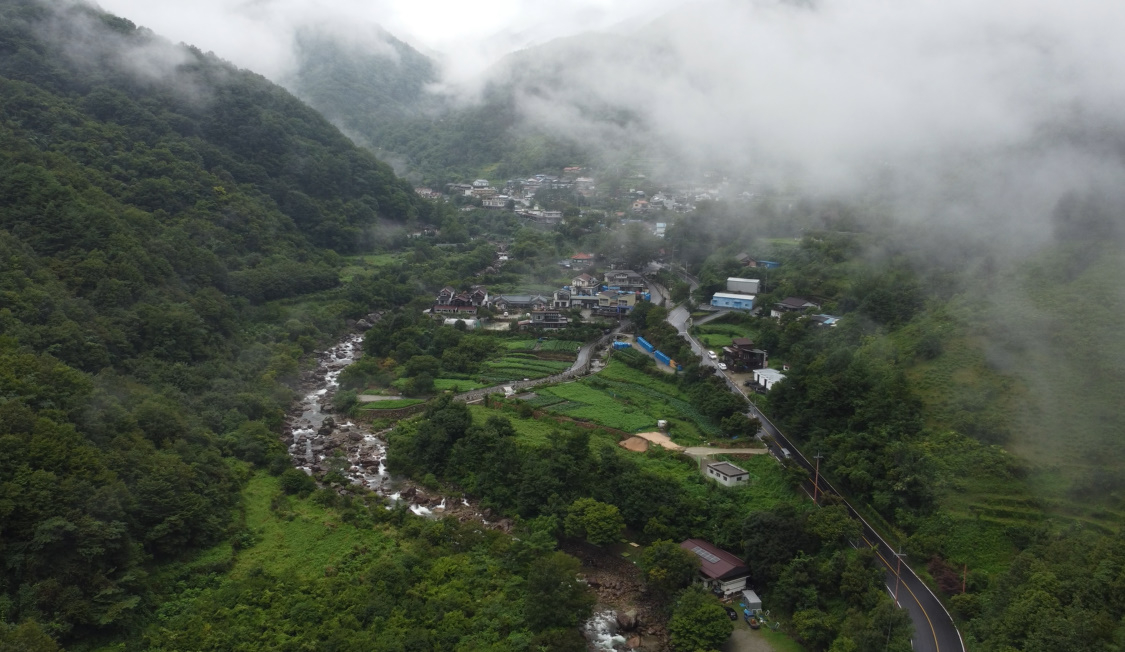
{"x":627,"y":621}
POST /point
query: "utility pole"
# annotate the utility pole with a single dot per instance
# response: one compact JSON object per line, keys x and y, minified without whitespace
{"x":964,"y":578}
{"x":898,"y":572}
{"x":816,"y":479}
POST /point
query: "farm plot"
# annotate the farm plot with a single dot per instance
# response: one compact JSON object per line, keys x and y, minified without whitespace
{"x":391,"y":405}
{"x":627,"y":399}
{"x":514,"y":366}
{"x":560,"y":346}
{"x":585,"y":402}
{"x":716,"y":334}
{"x":442,"y":384}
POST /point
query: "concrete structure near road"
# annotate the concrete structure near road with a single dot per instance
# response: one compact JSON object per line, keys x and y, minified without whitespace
{"x":726,"y":474}
{"x":732,"y":301}
{"x":744,"y":285}
{"x":767,"y":378}
{"x":719,"y":570}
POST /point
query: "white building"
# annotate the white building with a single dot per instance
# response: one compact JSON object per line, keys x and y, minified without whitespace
{"x":733,"y":301}
{"x":727,"y":474}
{"x":768,"y":377}
{"x":744,"y":285}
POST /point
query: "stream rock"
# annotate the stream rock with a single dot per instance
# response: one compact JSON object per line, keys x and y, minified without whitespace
{"x":627,"y":621}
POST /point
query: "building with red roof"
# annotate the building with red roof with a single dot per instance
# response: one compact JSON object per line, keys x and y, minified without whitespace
{"x":719,"y":570}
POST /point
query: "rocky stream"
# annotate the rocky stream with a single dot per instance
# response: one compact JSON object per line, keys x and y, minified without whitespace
{"x":320,"y":441}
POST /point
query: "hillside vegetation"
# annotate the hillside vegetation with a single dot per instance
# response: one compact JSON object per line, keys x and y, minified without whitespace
{"x":155,"y":205}
{"x":970,"y":401}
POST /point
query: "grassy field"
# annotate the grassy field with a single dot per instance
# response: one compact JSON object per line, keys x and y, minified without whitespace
{"x":365,"y":265}
{"x":529,"y":432}
{"x":302,"y":547}
{"x":767,"y":486}
{"x":718,"y":334}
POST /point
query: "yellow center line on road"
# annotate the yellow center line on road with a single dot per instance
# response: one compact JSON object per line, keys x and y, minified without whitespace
{"x":937,"y":646}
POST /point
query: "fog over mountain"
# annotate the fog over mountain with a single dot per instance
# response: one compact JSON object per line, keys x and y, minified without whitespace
{"x":961,"y":111}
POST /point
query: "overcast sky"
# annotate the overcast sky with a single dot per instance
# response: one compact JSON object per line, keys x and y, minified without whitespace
{"x":257,"y":34}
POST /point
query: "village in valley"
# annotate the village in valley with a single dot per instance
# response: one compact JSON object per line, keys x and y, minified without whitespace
{"x":565,"y":301}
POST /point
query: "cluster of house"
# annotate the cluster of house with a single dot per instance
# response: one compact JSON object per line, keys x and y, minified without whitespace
{"x":746,"y":260}
{"x":519,"y":194}
{"x":661,"y":201}
{"x":741,"y":292}
{"x":616,"y":294}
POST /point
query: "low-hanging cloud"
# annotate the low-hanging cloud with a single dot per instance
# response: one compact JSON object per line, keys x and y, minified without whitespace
{"x":1004,"y":100}
{"x":962,"y":110}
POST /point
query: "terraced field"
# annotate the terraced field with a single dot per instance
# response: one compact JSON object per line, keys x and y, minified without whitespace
{"x":516,"y":366}
{"x":627,"y":399}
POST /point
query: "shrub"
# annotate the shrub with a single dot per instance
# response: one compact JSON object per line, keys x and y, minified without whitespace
{"x":297,"y":482}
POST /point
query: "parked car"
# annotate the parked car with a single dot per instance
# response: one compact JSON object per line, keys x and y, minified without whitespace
{"x":723,"y":366}
{"x":731,"y":613}
{"x":753,"y":622}
{"x":711,"y":354}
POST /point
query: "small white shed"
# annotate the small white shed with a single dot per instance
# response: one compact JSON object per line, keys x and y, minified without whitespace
{"x":752,"y":601}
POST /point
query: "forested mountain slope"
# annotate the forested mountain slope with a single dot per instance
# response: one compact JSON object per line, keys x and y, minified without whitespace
{"x":151,"y":198}
{"x":383,"y":98}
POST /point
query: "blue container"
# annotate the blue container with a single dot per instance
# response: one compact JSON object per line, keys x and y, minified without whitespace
{"x":622,"y":345}
{"x":663,"y":357}
{"x":645,"y":345}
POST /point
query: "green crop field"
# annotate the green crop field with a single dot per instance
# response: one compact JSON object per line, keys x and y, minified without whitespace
{"x":562,"y":346}
{"x":391,"y":405}
{"x":628,"y":399}
{"x":443,"y":384}
{"x":520,"y":345}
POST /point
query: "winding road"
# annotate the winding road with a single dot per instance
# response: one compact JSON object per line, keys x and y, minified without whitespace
{"x":934,"y":629}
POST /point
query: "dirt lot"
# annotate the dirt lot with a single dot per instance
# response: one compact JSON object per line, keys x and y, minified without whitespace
{"x":745,"y":639}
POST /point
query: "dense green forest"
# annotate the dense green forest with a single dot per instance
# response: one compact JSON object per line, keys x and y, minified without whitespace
{"x":155,"y":204}
{"x":930,"y":402}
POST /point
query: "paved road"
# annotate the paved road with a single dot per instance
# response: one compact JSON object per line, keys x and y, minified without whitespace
{"x":707,"y":451}
{"x":934,"y":630}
